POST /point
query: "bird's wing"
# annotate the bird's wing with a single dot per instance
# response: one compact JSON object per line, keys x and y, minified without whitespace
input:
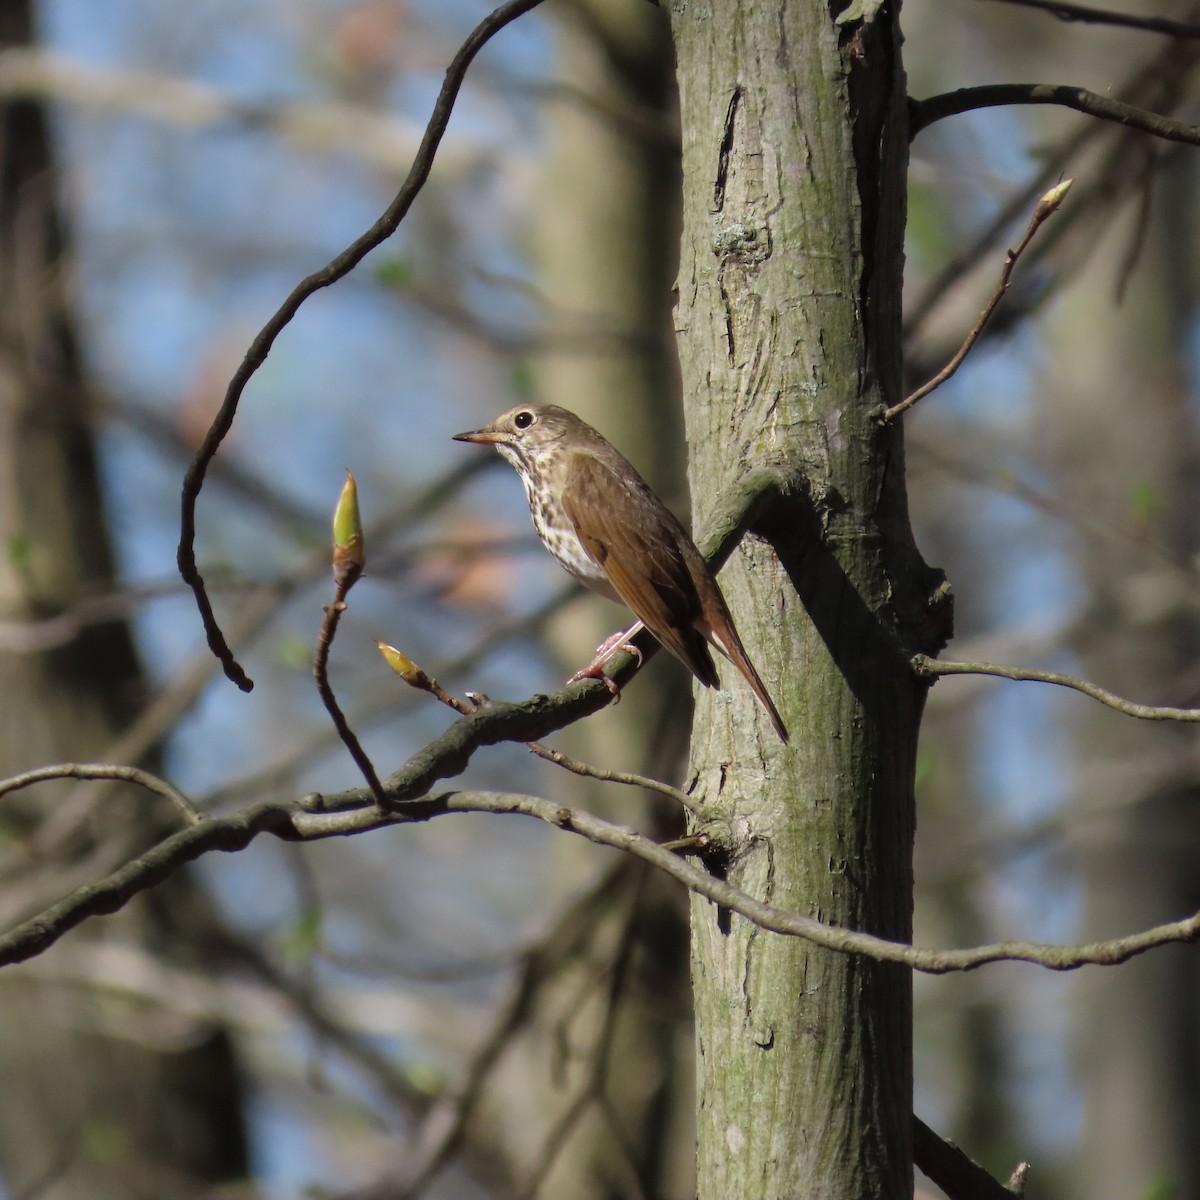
{"x":636,"y":542}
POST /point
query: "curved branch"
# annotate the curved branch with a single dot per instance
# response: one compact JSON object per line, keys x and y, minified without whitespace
{"x":342,"y":265}
{"x":931,"y":668}
{"x":923,"y":113}
{"x":1102,"y":16}
{"x":114,"y":771}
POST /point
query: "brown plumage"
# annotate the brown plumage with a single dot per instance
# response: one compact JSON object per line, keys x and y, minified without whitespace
{"x":602,"y":522}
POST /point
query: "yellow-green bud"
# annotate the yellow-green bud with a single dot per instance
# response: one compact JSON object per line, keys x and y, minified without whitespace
{"x":403,"y":666}
{"x":349,"y":550}
{"x":1053,"y":198}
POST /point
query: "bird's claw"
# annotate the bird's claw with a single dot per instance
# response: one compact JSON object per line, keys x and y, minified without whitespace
{"x":604,"y":652}
{"x":595,"y":670}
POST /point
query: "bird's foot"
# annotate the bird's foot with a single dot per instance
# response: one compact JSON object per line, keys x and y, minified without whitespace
{"x":595,"y":670}
{"x":604,"y":653}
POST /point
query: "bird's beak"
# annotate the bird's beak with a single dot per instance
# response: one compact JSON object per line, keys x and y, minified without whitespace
{"x":484,"y":437}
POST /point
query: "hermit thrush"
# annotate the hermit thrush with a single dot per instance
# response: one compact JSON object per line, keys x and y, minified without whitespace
{"x":602,"y":522}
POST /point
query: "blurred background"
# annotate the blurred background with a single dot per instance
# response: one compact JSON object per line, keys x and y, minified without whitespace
{"x":481,"y":1007}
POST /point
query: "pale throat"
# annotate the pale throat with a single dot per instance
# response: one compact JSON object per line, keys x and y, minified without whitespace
{"x":553,"y":527}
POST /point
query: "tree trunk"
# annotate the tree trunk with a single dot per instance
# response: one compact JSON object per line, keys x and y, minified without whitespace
{"x":95,"y":1104}
{"x":794,"y":155}
{"x":605,"y":239}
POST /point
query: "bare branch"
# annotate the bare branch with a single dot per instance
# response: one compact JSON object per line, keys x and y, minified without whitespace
{"x":113,"y":771}
{"x":1104,"y":16}
{"x":329,"y":274}
{"x":348,"y":559}
{"x":1046,"y":206}
{"x":628,"y":778}
{"x":923,"y":113}
{"x":324,"y":126}
{"x":959,"y":1176}
{"x":448,"y":1121}
{"x":1159,"y":83}
{"x":333,"y":615}
{"x":355,"y":812}
{"x":931,"y":668}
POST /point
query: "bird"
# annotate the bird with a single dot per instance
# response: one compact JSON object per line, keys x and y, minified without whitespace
{"x":599,"y":518}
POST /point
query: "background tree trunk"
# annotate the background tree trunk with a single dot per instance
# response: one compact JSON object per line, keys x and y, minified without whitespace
{"x":1125,"y":438}
{"x":604,"y":242}
{"x":99,"y":1104}
{"x":794,"y":154}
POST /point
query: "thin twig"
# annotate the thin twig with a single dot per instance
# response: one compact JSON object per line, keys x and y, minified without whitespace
{"x":596,"y":1083}
{"x":1046,"y":206}
{"x":923,"y":113}
{"x":1102,"y":16}
{"x":932,"y":668}
{"x":342,"y":265}
{"x":145,"y":779}
{"x":442,"y":1131}
{"x":333,"y":615}
{"x":1157,"y":82}
{"x":629,"y":778}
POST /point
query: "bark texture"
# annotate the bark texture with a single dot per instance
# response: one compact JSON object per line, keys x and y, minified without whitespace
{"x":794,"y":152}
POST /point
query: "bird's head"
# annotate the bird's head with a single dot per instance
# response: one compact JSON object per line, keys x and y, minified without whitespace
{"x":527,"y":433}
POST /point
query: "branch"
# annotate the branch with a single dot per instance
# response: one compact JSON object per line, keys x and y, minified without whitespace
{"x":383,"y":140}
{"x":114,"y":771}
{"x":1104,"y":16}
{"x":923,"y":113}
{"x":328,"y":631}
{"x":420,"y":679}
{"x":447,"y":1122}
{"x":628,"y":778}
{"x":1156,"y":83}
{"x":929,"y":668}
{"x":349,"y":557}
{"x":330,"y":274}
{"x":1046,"y":206}
{"x":354,"y":812}
{"x":959,"y":1176}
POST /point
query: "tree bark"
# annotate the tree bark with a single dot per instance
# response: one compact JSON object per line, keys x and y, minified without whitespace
{"x":794,"y":156}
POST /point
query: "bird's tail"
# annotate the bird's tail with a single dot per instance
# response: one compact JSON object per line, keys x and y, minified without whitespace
{"x":735,"y":652}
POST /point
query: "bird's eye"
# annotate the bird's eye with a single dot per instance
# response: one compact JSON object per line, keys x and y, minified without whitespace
{"x":523,"y":419}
